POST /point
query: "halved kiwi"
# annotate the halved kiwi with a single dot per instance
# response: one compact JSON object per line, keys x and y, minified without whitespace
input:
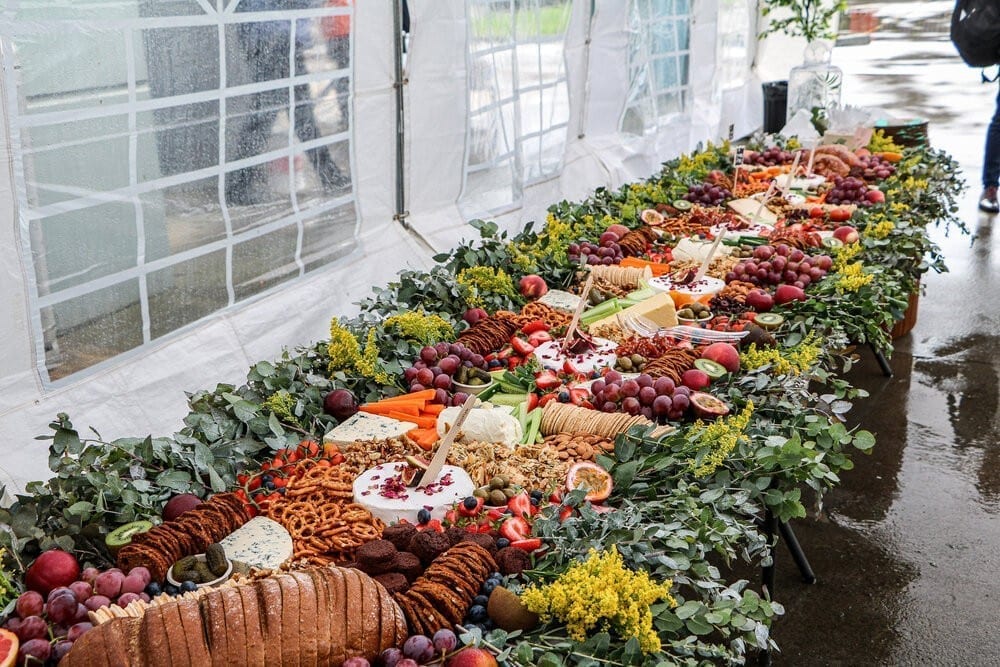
{"x":712,"y":369}
{"x":682,"y":204}
{"x":123,"y":535}
{"x":768,"y":320}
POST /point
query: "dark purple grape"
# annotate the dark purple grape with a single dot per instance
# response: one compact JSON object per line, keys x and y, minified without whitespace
{"x":419,"y":648}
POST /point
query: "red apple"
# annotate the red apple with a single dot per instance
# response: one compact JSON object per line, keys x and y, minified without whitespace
{"x":473,"y":315}
{"x":471,"y":656}
{"x":533,"y":286}
{"x":846,"y":234}
{"x":760,"y":300}
{"x":620,"y":230}
{"x":875,"y":196}
{"x":695,"y":379}
{"x":50,"y":570}
{"x":180,"y":504}
{"x":787,"y":293}
{"x":724,"y":354}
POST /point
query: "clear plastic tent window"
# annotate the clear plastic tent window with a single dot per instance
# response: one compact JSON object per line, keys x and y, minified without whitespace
{"x":173,"y":157}
{"x":735,"y":41}
{"x":659,"y":53}
{"x":518,"y":99}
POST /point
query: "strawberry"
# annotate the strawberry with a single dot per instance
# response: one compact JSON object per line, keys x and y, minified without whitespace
{"x":485,"y":528}
{"x":515,"y":529}
{"x":547,"y":398}
{"x":527,"y":544}
{"x":521,"y":346}
{"x":435,"y":525}
{"x":570,"y":367}
{"x":565,"y":512}
{"x":532,"y":403}
{"x":495,"y":514}
{"x":539,"y":338}
{"x":513,"y":361}
{"x":520,"y":505}
{"x":547,"y":380}
{"x":578,"y":396}
{"x":466,"y":511}
{"x":504,"y":353}
{"x":534,"y":326}
{"x":471,"y":528}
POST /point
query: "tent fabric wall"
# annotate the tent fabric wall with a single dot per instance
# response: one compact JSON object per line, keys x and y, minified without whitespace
{"x":144,"y":392}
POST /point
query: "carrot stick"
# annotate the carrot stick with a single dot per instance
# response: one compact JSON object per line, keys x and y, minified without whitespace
{"x":423,"y":395}
{"x":433,"y":409}
{"x":409,"y":409}
{"x":422,"y":422}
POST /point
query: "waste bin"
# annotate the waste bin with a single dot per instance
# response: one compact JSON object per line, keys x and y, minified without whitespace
{"x":775,"y":103}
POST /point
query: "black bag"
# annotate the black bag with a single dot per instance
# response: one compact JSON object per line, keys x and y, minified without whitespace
{"x":975,"y":31}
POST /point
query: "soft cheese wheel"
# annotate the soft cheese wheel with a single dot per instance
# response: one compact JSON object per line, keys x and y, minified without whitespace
{"x":390,"y":508}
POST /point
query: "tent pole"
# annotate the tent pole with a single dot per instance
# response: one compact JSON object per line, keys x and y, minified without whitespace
{"x":397,"y":28}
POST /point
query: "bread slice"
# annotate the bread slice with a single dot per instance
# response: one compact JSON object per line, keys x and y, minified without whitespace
{"x":339,"y":611}
{"x":355,"y":622}
{"x":269,"y":600}
{"x":324,"y":649}
{"x":386,"y":617}
{"x":215,"y":623}
{"x":237,"y":639}
{"x":371,"y":616}
{"x":254,"y":623}
{"x":308,"y":619}
{"x":174,"y":629}
{"x":290,"y":649}
{"x":156,"y":643}
{"x":90,"y":649}
{"x":195,"y":631}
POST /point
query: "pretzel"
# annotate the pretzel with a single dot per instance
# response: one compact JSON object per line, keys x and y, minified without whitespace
{"x":325,"y":525}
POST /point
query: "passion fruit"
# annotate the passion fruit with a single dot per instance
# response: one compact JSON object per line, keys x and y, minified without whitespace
{"x":708,"y":406}
{"x":508,"y":612}
{"x":592,"y":478}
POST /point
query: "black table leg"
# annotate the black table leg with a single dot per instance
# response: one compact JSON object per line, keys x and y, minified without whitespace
{"x":882,"y":361}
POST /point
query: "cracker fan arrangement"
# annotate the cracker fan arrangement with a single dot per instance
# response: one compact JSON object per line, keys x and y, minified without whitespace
{"x":549,"y":449}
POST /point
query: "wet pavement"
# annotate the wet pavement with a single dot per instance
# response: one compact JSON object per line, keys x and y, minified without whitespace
{"x":907,"y":549}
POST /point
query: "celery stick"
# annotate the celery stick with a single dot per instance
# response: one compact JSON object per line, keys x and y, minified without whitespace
{"x":534,"y":421}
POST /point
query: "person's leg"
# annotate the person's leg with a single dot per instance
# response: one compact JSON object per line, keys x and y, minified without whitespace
{"x":307,"y":129}
{"x":339,"y":49}
{"x":991,"y":164}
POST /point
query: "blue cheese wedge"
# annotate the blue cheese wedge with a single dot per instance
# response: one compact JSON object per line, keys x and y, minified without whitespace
{"x":364,"y":427}
{"x":260,"y":543}
{"x":560,"y":300}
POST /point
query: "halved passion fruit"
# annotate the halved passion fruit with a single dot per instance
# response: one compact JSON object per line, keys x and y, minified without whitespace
{"x":712,"y":369}
{"x":832,"y":242}
{"x":594,"y":479}
{"x":651,"y":217}
{"x":708,"y":406}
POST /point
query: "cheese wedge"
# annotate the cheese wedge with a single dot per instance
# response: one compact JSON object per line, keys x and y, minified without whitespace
{"x":363,"y":426}
{"x":659,"y":309}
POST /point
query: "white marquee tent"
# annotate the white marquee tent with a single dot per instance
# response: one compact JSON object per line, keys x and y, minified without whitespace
{"x":175,"y":203}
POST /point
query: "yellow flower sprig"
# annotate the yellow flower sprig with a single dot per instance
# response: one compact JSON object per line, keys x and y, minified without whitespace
{"x":601,"y":593}
{"x":282,"y":404}
{"x":791,"y":361}
{"x":480,"y":281}
{"x":347,"y":356}
{"x":879,"y":143}
{"x":421,"y":327}
{"x":852,"y":277}
{"x":723,"y":435}
{"x":879,"y":227}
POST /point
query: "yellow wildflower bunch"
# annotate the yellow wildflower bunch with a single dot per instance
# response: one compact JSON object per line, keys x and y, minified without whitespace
{"x":879,"y":228}
{"x":417,"y":325}
{"x":852,"y":277}
{"x":7,"y":590}
{"x":899,"y":207}
{"x":792,"y":361}
{"x":480,"y":281}
{"x":602,"y":593}
{"x":700,"y":163}
{"x":879,"y":143}
{"x":723,"y":435}
{"x":843,"y":255}
{"x":346,"y":354}
{"x":282,"y":404}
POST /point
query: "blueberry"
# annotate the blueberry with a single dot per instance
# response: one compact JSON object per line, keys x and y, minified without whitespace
{"x":481,"y":600}
{"x":153,"y":589}
{"x":487,"y":587}
{"x":269,"y":486}
{"x":502,"y":543}
{"x":495,"y":575}
{"x":477,"y":613}
{"x":564,"y":397}
{"x":488,"y":625}
{"x":171,"y":590}
{"x":536,"y":501}
{"x":265,"y":478}
{"x":188,"y":586}
{"x":471,"y":503}
{"x":423,"y":516}
{"x":537,"y":493}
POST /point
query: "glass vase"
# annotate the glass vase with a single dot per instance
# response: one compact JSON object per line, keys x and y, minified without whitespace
{"x":815,"y":84}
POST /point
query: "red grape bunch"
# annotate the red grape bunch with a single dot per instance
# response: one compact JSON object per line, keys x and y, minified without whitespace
{"x":606,"y":252}
{"x":873,"y":168}
{"x":436,"y":367}
{"x":774,"y":265}
{"x":770,"y":157}
{"x":658,"y":399}
{"x":709,"y":194}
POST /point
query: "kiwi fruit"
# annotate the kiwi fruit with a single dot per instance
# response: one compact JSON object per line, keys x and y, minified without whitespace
{"x":508,"y":612}
{"x":122,"y":535}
